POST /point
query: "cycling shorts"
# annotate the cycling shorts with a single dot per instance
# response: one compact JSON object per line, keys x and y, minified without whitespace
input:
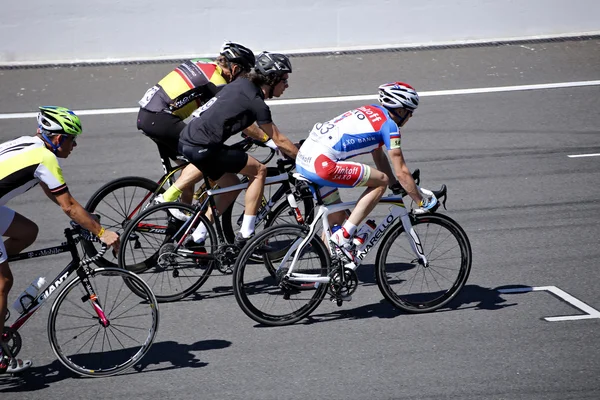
{"x":214,"y":161}
{"x":163,"y":128}
{"x":330,"y":175}
{"x":6,"y":217}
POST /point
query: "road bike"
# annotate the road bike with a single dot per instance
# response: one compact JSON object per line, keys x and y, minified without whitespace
{"x":422,"y":263}
{"x":156,"y":245}
{"x":97,"y":326}
{"x":118,"y":201}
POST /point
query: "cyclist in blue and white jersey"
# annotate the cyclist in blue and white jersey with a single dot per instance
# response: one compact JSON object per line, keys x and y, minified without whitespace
{"x":322,"y":157}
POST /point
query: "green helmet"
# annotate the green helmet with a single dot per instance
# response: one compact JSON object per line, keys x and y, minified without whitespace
{"x":58,"y":121}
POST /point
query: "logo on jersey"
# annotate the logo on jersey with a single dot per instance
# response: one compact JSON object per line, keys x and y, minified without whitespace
{"x":374,"y":115}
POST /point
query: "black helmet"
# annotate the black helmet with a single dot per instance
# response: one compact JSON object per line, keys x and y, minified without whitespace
{"x":238,"y":54}
{"x":273,"y":63}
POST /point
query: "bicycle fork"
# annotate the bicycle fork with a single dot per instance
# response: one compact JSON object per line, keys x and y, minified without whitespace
{"x":414,"y":240}
{"x":93,"y":298}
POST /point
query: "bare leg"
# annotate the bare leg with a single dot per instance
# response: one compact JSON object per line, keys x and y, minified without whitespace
{"x":257,"y":174}
{"x":21,"y":234}
{"x":6,"y":282}
{"x":224,"y":200}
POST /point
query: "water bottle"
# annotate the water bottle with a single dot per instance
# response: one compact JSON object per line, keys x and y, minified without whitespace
{"x":364,"y":232}
{"x":335,"y":228}
{"x":27,"y":297}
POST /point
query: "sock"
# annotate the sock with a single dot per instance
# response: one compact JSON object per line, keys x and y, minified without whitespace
{"x":172,"y":193}
{"x":248,"y":225}
{"x":350,"y":228}
{"x":199,"y":235}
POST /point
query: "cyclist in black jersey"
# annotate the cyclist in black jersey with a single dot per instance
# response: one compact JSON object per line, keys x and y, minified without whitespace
{"x":167,"y":104}
{"x":25,"y":162}
{"x":236,"y":108}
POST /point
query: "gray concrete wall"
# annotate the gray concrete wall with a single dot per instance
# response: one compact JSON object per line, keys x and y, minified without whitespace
{"x":71,"y":30}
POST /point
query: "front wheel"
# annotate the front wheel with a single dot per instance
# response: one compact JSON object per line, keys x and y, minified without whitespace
{"x":98,"y":327}
{"x":150,"y":247}
{"x":416,"y":288}
{"x":116,"y":203}
{"x":274,"y":300}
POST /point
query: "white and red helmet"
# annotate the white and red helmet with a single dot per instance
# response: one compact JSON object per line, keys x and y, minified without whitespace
{"x":398,"y":95}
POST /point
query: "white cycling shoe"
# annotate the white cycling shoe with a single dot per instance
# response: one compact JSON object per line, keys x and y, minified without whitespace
{"x":343,"y":245}
{"x":14,"y":366}
{"x":177,"y":214}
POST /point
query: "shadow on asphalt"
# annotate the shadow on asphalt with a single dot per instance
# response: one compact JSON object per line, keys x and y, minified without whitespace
{"x":471,"y":297}
{"x":165,"y":355}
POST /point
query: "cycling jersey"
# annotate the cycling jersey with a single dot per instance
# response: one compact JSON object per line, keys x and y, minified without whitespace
{"x":354,"y":132}
{"x":185,"y":88}
{"x":359,"y":131}
{"x":24,"y":162}
{"x":237,"y":106}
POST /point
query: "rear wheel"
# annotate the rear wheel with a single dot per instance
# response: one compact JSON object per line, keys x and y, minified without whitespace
{"x":275,"y":300}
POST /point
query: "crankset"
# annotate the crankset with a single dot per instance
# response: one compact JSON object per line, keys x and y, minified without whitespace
{"x":11,"y":341}
{"x":226,"y":256}
{"x":342,"y":285}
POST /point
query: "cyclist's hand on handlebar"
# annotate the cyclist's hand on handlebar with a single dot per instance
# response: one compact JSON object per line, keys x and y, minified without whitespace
{"x":271,"y":144}
{"x":111,"y":239}
{"x":428,"y":203}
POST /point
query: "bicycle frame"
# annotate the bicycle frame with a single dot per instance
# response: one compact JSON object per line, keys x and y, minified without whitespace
{"x":398,"y":210}
{"x":73,"y":267}
{"x":211,"y":193}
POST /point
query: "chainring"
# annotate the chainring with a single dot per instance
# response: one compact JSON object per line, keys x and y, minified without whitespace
{"x":11,"y":339}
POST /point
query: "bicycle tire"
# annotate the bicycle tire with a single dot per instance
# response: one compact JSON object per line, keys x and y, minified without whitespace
{"x":115,"y":216}
{"x":255,"y":289}
{"x":91,"y":358}
{"x":443,"y":241}
{"x":171,"y":277}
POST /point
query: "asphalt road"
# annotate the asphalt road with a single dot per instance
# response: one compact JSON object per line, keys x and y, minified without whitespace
{"x":531,"y":213}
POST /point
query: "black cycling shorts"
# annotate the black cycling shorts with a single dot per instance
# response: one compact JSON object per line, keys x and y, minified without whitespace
{"x":214,"y":161}
{"x":163,"y":128}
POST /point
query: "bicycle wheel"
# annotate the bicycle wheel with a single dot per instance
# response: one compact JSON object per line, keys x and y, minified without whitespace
{"x":413,"y":287}
{"x":108,"y":334}
{"x":148,"y":249}
{"x":274,"y":301}
{"x":116,"y":203}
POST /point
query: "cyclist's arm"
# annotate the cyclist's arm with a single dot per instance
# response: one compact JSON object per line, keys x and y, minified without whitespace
{"x":403,"y":174}
{"x":283,"y":143}
{"x":256,"y":133}
{"x":77,"y":213}
{"x":382,"y":163}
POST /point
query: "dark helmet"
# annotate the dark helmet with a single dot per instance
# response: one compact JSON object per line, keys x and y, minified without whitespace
{"x":238,"y":54}
{"x":268,"y":64}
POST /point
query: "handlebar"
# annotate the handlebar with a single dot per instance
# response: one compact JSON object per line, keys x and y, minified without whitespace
{"x":90,"y":237}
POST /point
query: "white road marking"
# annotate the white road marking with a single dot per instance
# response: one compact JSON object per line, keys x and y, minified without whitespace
{"x":584,"y":155}
{"x":369,"y":97}
{"x":590,"y":312}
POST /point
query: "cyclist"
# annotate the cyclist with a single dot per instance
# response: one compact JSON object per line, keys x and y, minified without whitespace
{"x":322,"y":157}
{"x":24,"y":162}
{"x":166,"y":105}
{"x":234,"y":109}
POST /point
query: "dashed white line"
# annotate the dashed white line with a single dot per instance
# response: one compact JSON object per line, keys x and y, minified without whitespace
{"x":499,"y":89}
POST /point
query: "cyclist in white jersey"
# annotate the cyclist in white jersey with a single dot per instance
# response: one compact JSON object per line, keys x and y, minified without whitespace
{"x":24,"y":163}
{"x":322,"y":157}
